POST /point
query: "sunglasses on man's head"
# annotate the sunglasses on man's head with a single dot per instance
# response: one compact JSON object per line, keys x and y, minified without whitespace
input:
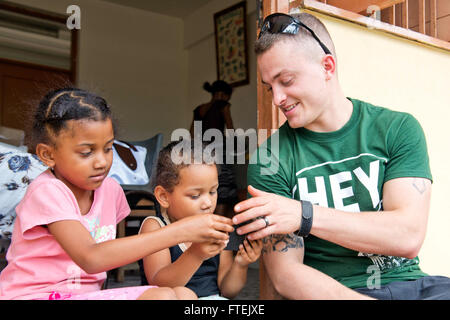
{"x":283,"y":23}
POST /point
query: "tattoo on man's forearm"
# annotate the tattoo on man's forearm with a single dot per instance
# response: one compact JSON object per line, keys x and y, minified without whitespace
{"x":281,"y":243}
{"x":420,"y":185}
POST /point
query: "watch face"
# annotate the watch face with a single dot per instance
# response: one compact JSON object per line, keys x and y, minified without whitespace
{"x":307,"y":214}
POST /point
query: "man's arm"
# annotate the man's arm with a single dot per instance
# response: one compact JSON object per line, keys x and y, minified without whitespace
{"x":283,"y":260}
{"x":399,"y":230}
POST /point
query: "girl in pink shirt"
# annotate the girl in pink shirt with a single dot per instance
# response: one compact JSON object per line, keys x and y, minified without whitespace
{"x":64,"y":234}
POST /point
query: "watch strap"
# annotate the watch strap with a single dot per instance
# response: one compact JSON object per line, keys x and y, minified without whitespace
{"x":307,"y":219}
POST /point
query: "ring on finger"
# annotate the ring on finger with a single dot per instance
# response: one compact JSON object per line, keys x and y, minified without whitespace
{"x":266,"y":221}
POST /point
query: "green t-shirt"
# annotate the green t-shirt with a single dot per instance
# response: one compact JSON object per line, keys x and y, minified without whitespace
{"x":346,"y":170}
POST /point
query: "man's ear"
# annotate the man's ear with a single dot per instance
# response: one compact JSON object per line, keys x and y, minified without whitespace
{"x":45,"y":153}
{"x":329,"y":64}
{"x":162,"y":195}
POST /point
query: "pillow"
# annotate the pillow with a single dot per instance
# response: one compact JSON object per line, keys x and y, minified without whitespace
{"x":17,"y":170}
{"x":133,"y":173}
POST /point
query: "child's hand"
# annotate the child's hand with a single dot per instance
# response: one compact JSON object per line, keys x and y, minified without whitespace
{"x":249,"y":251}
{"x":206,"y":228}
{"x":206,"y":250}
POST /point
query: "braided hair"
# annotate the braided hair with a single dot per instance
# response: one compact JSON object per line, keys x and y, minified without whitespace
{"x":64,"y":104}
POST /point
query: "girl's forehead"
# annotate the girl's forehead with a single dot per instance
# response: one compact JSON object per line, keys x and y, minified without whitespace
{"x":198,"y":174}
{"x":88,"y":129}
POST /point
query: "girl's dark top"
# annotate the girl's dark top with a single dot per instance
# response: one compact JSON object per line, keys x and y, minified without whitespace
{"x":204,"y":280}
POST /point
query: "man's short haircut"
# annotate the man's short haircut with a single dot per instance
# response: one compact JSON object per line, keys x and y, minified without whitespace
{"x":267,"y":40}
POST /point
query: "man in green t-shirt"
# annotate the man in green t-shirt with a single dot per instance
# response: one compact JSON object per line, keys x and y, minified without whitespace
{"x":351,"y":179}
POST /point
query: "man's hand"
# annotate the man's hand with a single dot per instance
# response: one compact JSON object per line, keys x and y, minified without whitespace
{"x":282,"y":214}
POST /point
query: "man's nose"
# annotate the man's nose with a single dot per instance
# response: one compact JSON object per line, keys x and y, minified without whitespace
{"x":278,"y":97}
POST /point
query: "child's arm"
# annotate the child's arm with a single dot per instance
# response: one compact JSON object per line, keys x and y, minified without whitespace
{"x":94,"y":257}
{"x":159,"y":269}
{"x":233,"y":272}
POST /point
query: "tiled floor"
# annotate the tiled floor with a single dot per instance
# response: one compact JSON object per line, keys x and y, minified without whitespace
{"x":249,"y":292}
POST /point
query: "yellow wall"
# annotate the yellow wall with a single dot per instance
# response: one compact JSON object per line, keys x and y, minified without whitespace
{"x":407,"y":76}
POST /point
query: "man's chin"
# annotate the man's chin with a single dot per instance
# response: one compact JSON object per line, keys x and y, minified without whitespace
{"x":295,"y":124}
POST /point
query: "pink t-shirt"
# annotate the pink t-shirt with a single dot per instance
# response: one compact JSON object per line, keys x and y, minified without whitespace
{"x":37,"y":265}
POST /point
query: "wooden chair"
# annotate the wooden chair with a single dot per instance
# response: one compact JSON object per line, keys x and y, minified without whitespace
{"x":140,"y":197}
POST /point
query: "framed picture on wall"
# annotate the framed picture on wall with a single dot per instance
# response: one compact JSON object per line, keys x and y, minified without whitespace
{"x":231,"y":44}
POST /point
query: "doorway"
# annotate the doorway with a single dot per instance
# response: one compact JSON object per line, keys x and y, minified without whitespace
{"x":21,"y":87}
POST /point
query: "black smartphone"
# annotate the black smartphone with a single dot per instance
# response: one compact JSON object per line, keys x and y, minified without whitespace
{"x":235,"y":239}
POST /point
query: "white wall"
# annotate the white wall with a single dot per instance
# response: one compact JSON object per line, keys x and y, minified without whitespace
{"x":199,"y":42}
{"x":133,"y":58}
{"x":151,"y":67}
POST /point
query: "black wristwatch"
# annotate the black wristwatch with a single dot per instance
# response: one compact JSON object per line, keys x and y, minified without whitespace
{"x":307,"y":219}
